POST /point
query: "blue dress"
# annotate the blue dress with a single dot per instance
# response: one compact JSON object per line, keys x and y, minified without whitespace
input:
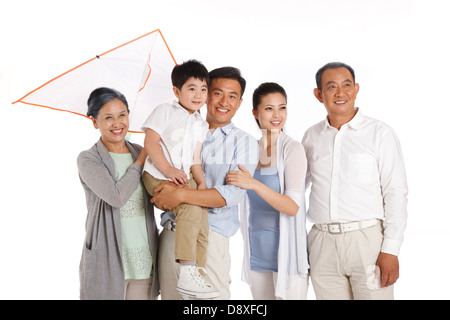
{"x":264,"y":224}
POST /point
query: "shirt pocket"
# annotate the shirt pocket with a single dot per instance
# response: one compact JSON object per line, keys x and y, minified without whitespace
{"x":361,"y":168}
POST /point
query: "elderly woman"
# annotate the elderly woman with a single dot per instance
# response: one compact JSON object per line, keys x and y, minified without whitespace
{"x":273,"y":217}
{"x":119,"y":254}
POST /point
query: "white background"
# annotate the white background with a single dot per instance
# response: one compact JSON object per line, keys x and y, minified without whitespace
{"x":398,"y":48}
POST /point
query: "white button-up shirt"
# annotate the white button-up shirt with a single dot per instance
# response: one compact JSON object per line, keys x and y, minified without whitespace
{"x":357,"y":173}
{"x":180,"y":133}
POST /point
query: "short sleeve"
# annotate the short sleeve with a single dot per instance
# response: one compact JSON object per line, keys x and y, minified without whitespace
{"x":157,"y":119}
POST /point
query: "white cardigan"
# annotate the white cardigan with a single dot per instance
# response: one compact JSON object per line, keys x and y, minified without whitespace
{"x":292,"y":250}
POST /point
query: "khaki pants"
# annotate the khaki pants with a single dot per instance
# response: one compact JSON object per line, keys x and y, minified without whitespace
{"x":139,"y":289}
{"x":262,"y":286}
{"x":343,"y":264}
{"x":191,"y":236}
{"x":168,"y":269}
{"x":218,"y":265}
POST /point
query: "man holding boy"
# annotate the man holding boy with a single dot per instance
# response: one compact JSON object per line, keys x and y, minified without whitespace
{"x":225,"y":147}
{"x":174,"y":133}
{"x":358,"y":195}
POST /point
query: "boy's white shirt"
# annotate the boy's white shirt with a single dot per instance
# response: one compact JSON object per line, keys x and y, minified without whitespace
{"x":180,"y":133}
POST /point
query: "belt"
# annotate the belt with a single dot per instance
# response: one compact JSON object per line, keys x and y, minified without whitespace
{"x":337,"y":227}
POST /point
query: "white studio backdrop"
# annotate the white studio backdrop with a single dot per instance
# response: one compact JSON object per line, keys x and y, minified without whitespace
{"x":397,"y":47}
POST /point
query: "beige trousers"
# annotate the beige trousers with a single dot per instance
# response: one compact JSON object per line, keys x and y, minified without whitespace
{"x":262,"y":286}
{"x":168,"y":269}
{"x":218,"y":265}
{"x":191,"y":236}
{"x":343,"y":265}
{"x":139,"y":289}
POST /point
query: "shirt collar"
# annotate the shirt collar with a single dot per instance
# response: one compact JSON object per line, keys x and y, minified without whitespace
{"x":354,"y":123}
{"x":178,"y":105}
{"x":227,"y":129}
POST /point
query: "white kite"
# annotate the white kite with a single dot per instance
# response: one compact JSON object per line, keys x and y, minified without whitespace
{"x":140,"y":69}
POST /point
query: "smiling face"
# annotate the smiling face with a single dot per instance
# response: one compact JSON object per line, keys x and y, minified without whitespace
{"x":338,"y":93}
{"x":113,"y":122}
{"x":271,"y":112}
{"x":193,"y":94}
{"x":224,"y":99}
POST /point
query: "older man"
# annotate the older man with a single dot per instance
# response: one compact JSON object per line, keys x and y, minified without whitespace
{"x":358,"y":195}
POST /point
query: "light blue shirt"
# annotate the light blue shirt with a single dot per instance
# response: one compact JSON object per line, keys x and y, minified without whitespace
{"x":223,"y":150}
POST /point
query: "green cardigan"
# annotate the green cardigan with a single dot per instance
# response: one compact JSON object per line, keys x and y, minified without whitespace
{"x":101,"y":269}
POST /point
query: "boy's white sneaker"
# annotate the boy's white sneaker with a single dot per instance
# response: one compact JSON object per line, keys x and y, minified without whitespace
{"x":191,"y":283}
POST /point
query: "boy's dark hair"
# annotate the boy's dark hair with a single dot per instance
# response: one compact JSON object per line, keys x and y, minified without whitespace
{"x":101,"y":96}
{"x":228,"y":73}
{"x":332,"y":65}
{"x":188,"y":69}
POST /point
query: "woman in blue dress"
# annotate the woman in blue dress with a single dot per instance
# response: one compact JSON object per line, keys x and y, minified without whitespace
{"x":273,"y":215}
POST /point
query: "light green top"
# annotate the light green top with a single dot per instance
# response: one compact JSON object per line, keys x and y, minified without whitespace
{"x":136,"y":256}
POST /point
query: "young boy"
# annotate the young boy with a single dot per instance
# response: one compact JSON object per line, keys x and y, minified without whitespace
{"x":174,"y":134}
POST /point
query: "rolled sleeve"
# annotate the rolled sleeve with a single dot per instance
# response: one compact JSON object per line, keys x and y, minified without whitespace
{"x":231,"y":194}
{"x":223,"y":151}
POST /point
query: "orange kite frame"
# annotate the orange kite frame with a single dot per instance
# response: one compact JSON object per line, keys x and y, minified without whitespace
{"x":96,"y":57}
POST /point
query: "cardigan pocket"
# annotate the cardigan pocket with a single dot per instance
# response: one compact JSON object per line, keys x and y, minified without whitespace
{"x":91,"y":238}
{"x":88,"y":274}
{"x":93,"y":225}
